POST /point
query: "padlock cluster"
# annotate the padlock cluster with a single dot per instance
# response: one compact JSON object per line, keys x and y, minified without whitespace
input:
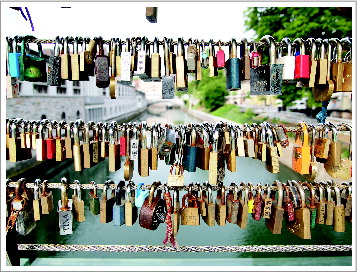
{"x":124,"y":204}
{"x":207,"y":146}
{"x":324,"y":65}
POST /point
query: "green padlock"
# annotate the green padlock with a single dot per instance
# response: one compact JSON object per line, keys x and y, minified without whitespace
{"x":32,"y":67}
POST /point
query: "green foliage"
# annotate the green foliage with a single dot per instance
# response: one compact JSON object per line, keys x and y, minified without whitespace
{"x":299,"y":22}
{"x":210,"y":91}
{"x":233,"y":113}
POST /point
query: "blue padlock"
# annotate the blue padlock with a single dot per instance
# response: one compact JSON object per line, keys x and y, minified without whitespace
{"x":14,"y":58}
{"x":140,"y":196}
{"x":118,"y":207}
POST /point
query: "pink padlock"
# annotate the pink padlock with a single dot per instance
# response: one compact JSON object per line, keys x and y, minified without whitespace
{"x":302,"y":61}
{"x":220,"y":57}
{"x":122,"y":146}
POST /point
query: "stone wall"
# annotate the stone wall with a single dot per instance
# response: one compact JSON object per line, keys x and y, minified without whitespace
{"x":32,"y":108}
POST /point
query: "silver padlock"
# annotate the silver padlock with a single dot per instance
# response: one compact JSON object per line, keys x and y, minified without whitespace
{"x":126,"y":74}
{"x":191,"y":57}
{"x":65,"y":210}
{"x":288,"y":62}
{"x":168,"y":80}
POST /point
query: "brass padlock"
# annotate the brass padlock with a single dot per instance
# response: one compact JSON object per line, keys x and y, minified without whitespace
{"x":267,"y":209}
{"x":106,"y":203}
{"x":114,"y":161}
{"x":78,"y":203}
{"x":301,"y":152}
{"x":338,"y":66}
{"x":153,"y":154}
{"x":93,"y":199}
{"x":86,"y":146}
{"x":274,"y":223}
{"x":240,"y":143}
{"x":339,"y":224}
{"x":312,"y":204}
{"x":46,"y":199}
{"x":321,"y":204}
{"x":347,"y":67}
{"x":36,"y":200}
{"x":334,"y":150}
{"x":104,"y":141}
{"x":190,"y":215}
{"x":77,"y":146}
{"x":301,"y":225}
{"x":220,"y":207}
{"x":209,"y":219}
{"x":322,"y":145}
{"x":130,"y":210}
{"x":231,"y":162}
{"x":243,"y":213}
{"x":143,"y":160}
{"x":272,"y":162}
{"x":249,"y":143}
{"x":69,"y":141}
{"x":213,"y":161}
{"x":232,"y":203}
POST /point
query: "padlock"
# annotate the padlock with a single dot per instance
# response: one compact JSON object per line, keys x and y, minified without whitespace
{"x":232,"y":204}
{"x":41,"y":143}
{"x":301,"y":151}
{"x":245,"y":60}
{"x":338,"y":66}
{"x":168,"y":80}
{"x":89,"y":48}
{"x":191,"y":59}
{"x":153,"y":154}
{"x":69,"y":140}
{"x":143,"y":61}
{"x":322,"y":145}
{"x":112,"y":63}
{"x":243,"y":213}
{"x":258,"y":201}
{"x":344,"y":170}
{"x":312,"y":204}
{"x":181,"y":79}
{"x":288,"y":202}
{"x":134,"y":145}
{"x":313,"y":63}
{"x":302,"y":64}
{"x":86,"y":146}
{"x":131,"y":211}
{"x":250,"y":198}
{"x":204,"y":56}
{"x":321,"y":204}
{"x":65,"y":59}
{"x":232,"y":65}
{"x":272,"y":162}
{"x":25,"y":149}
{"x":313,"y":167}
{"x":220,"y":206}
{"x":83,"y":66}
{"x":155,"y":62}
{"x":50,"y":141}
{"x":140,"y":196}
{"x":213,"y":161}
{"x":334,"y":150}
{"x":231,"y":162}
{"x":96,"y":146}
{"x":22,"y":206}
{"x":288,"y":61}
{"x":261,"y":143}
{"x":36,"y":200}
{"x":118,"y":207}
{"x":324,"y":89}
{"x":14,"y":143}
{"x":13,"y":56}
{"x":104,"y":141}
{"x":176,"y":177}
{"x":134,"y":55}
{"x":212,"y":60}
{"x":60,"y":143}
{"x":205,"y":152}
{"x":249,"y":143}
{"x":78,"y":203}
{"x":240,"y":142}
{"x":75,"y":61}
{"x":114,"y":161}
{"x":339,"y":224}
{"x":54,"y":66}
{"x":190,"y":153}
{"x":126,"y":73}
{"x":106,"y":203}
{"x":349,"y":203}
{"x":176,"y":212}
{"x":190,"y":215}
{"x":101,"y":66}
{"x":209,"y":218}
{"x":220,"y":57}
{"x":65,"y":210}
{"x":118,"y":58}
{"x":46,"y":199}
{"x":143,"y":161}
{"x":77,"y":147}
{"x":301,"y":225}
{"x":347,"y":68}
{"x":322,"y":64}
{"x":32,"y":67}
{"x":267,"y":79}
{"x":267,"y":209}
{"x":274,"y":223}
{"x":153,"y":211}
{"x":93,"y":199}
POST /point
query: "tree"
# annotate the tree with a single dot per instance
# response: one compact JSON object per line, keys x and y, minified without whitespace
{"x":210,"y":91}
{"x":299,"y":22}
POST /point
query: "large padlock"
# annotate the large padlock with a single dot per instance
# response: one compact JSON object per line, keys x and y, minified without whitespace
{"x":243,"y":213}
{"x":93,"y":199}
{"x":13,"y":57}
{"x":155,"y":62}
{"x":274,"y":223}
{"x":301,"y":151}
{"x":220,"y":206}
{"x":126,"y":73}
{"x":118,"y":207}
{"x":78,"y":203}
{"x":220,"y":57}
{"x":101,"y":66}
{"x":339,"y":224}
{"x":321,"y":204}
{"x":209,"y":218}
{"x":181,"y":80}
{"x":191,"y":57}
{"x":212,"y":60}
{"x":313,"y":63}
{"x":130,"y":210}
{"x":334,"y":150}
{"x":54,"y":66}
{"x":288,"y":62}
{"x":232,"y":204}
{"x":347,"y":68}
{"x":143,"y":61}
{"x":190,"y":215}
{"x":233,"y":81}
{"x":46,"y":199}
{"x":65,"y":210}
{"x":106,"y":203}
{"x":338,"y":66}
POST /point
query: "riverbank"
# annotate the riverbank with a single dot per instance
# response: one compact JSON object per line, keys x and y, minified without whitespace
{"x":286,"y":157}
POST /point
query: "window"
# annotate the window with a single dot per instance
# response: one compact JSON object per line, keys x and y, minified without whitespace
{"x":76,"y":91}
{"x":63,"y":82}
{"x":40,"y":89}
{"x":78,"y":114}
{"x":61,"y":90}
{"x":63,"y":116}
{"x":76,"y":83}
{"x":104,"y":91}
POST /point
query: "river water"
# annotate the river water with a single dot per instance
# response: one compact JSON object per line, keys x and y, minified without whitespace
{"x":92,"y":232}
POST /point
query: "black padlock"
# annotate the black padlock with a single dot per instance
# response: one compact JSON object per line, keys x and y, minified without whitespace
{"x":101,"y":66}
{"x":54,"y":66}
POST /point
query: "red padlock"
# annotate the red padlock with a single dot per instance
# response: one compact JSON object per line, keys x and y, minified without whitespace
{"x":220,"y":57}
{"x":302,"y":61}
{"x":50,"y":142}
{"x":122,"y":145}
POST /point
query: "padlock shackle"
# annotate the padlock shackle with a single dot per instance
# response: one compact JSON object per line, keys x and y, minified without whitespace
{"x":287,"y":41}
{"x":180,"y":47}
{"x":312,"y":43}
{"x":334,"y":132}
{"x":57,"y":47}
{"x":20,"y":187}
{"x":312,"y":193}
{"x":64,"y":195}
{"x":244,"y":45}
{"x":302,"y":193}
{"x":246,"y":193}
{"x":321,"y":191}
{"x":155,"y":46}
{"x":338,"y":46}
{"x":233,"y":49}
{"x":77,"y":189}
{"x":272,"y":47}
{"x":151,"y":192}
{"x":300,"y":42}
{"x":100,"y":46}
{"x":37,"y":184}
{"x":44,"y":188}
{"x":338,"y":195}
{"x":280,"y":193}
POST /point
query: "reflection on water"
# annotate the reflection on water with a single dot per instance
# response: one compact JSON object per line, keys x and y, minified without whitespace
{"x":93,"y":232}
